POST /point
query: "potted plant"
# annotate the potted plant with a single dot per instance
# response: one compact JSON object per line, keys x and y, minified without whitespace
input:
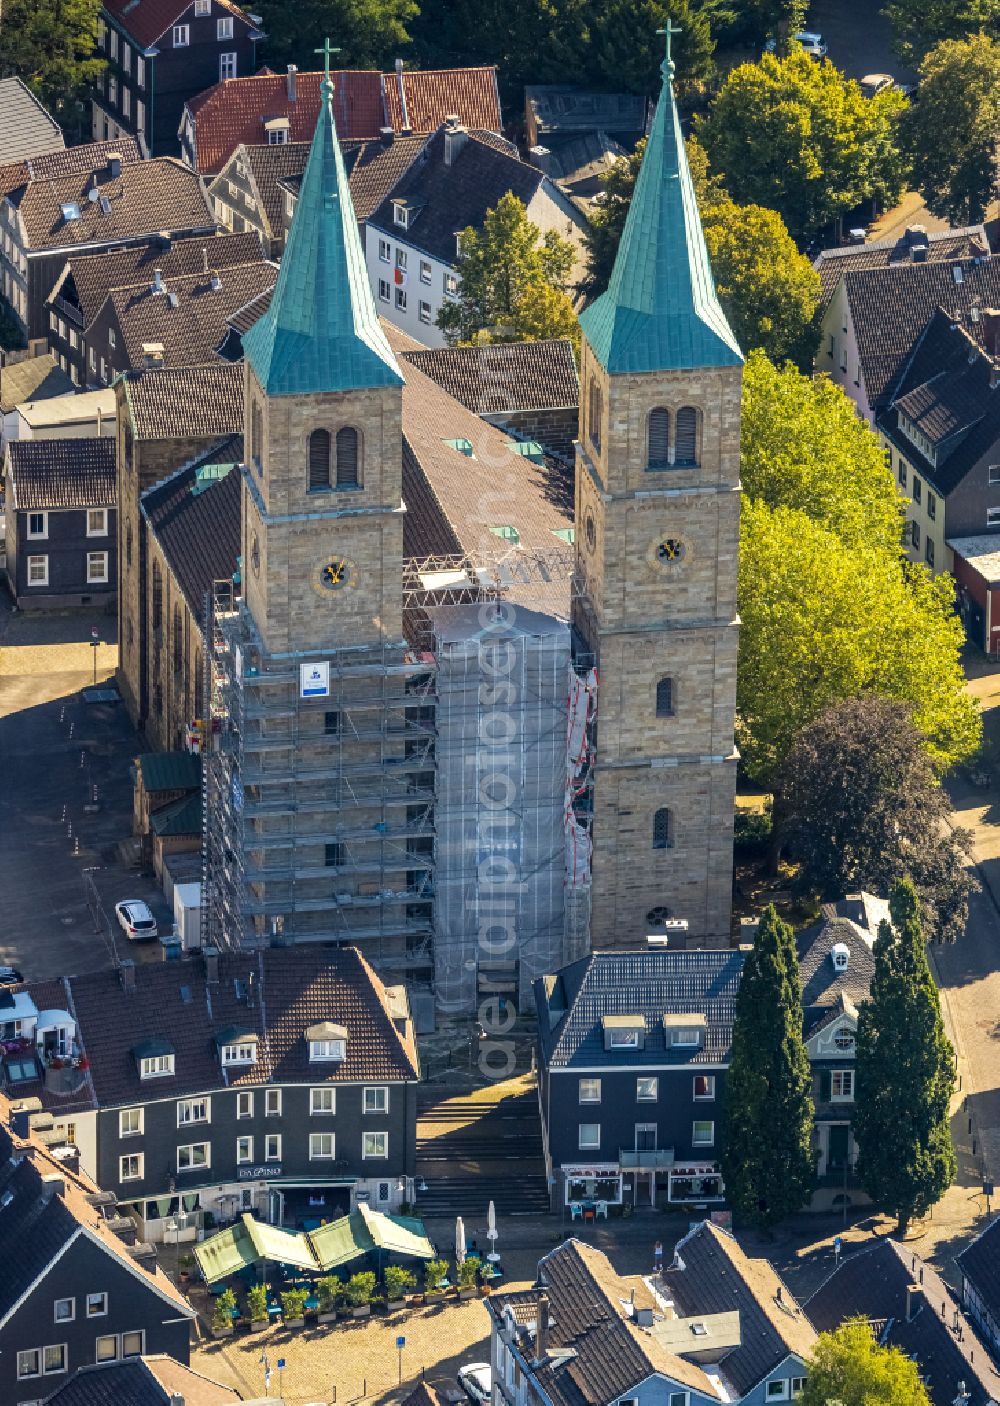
{"x":257,"y":1306}
{"x":434,"y":1272}
{"x":222,"y":1314}
{"x":293,"y":1307}
{"x":397,"y":1282}
{"x":467,"y":1272}
{"x":360,"y":1292}
{"x":184,"y":1268}
{"x":328,"y":1291}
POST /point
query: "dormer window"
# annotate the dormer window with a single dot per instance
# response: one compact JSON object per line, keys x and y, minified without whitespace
{"x":623,"y":1039}
{"x":236,"y":1046}
{"x":239,"y":1054}
{"x":327,"y":1043}
{"x":684,"y":1032}
{"x":623,"y":1032}
{"x":155,"y":1058}
{"x":400,"y":214}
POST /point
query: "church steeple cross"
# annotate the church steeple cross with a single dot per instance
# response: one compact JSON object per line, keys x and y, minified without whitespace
{"x":328,"y":52}
{"x":667,"y":66}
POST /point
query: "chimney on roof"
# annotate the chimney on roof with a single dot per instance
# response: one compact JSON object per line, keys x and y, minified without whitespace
{"x":144,"y":1255}
{"x":387,"y":135}
{"x":406,"y":128}
{"x":542,"y":1327}
{"x":165,"y":240}
{"x":916,"y":239}
{"x":215,"y":283}
{"x":914,"y":1301}
{"x":175,"y":1399}
{"x":157,"y":280}
{"x":290,"y":82}
{"x":53,"y":1184}
{"x":991,"y":330}
{"x":455,"y":137}
{"x":152,"y":354}
{"x":541,"y":159}
{"x":114,"y":164}
{"x":204,"y":260}
{"x":211,"y":955}
{"x":126,"y":975}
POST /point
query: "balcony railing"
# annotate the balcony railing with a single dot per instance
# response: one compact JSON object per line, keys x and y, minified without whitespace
{"x":631,"y":1160}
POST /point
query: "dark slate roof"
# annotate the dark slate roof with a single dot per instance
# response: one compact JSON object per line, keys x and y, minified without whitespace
{"x":87,"y":279}
{"x":505,"y":376}
{"x":946,"y":244}
{"x":26,"y":129}
{"x":447,"y":199}
{"x":824,"y":990}
{"x":267,"y":165}
{"x":186,"y":402}
{"x":946,"y":391}
{"x":180,"y":817}
{"x":980,"y":1264}
{"x":146,"y":197}
{"x":140,"y":1381}
{"x":873,"y":1283}
{"x":170,"y":771}
{"x":62,"y":473}
{"x":374,"y":168}
{"x":148,"y":20}
{"x":35,"y":378}
{"x":890,"y":307}
{"x":647,"y":983}
{"x":563,"y":108}
{"x":289,"y":989}
{"x":711,"y":1274}
{"x":608,"y":1355}
{"x":197,"y":524}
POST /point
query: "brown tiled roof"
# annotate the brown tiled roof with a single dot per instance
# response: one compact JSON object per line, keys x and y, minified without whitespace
{"x":267,"y":166}
{"x":873,"y":1283}
{"x":62,"y":473}
{"x":244,"y":318}
{"x":141,"y":1381}
{"x":434,"y":94}
{"x":376,"y":168}
{"x":75,"y":159}
{"x":885,"y":253}
{"x":186,"y":402}
{"x":147,"y":20}
{"x":190,"y":331}
{"x":609,"y":1355}
{"x":505,"y":375}
{"x":290,"y":990}
{"x":198,"y":527}
{"x":447,"y":199}
{"x":711,"y":1274}
{"x":93,"y":276}
{"x":146,"y":197}
{"x":36,"y":378}
{"x":890,"y":307}
{"x":943,"y":406}
{"x":422,"y":1395}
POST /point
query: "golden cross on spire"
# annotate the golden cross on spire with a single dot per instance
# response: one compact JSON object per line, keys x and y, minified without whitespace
{"x":667,"y":66}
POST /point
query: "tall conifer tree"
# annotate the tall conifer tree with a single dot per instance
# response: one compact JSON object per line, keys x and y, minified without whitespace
{"x":767,"y":1158}
{"x":905,"y":1073}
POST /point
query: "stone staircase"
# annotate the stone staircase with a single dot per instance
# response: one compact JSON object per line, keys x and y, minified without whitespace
{"x":473,"y":1148}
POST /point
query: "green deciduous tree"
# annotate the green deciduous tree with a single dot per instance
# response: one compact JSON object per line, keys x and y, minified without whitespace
{"x":52,"y":46}
{"x":767,"y":1159}
{"x":804,"y":446}
{"x":512,"y":282}
{"x":824,"y":619}
{"x":953,"y":131}
{"x":369,"y":33}
{"x":862,"y":809}
{"x":920,"y":24}
{"x":905,"y":1073}
{"x":625,"y":49}
{"x":798,"y":137}
{"x":850,"y":1368}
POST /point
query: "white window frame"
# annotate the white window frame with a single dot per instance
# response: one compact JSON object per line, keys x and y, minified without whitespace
{"x":324,"y":1092}
{"x":139,"y":1333}
{"x":101,"y":1298}
{"x":450,"y":285}
{"x":623,"y":1039}
{"x":187,"y":1110}
{"x":401,"y":259}
{"x":385,"y":257}
{"x":798,"y":1386}
{"x":377,"y":1091}
{"x":588,"y":1144}
{"x":653,"y":1097}
{"x":244,"y":1103}
{"x":426,"y":272}
{"x":111,"y":1338}
{"x":400,"y":215}
{"x":370,"y":1147}
{"x":70,"y":1317}
{"x":993,"y":517}
{"x":55,"y":1371}
{"x":181,"y":36}
{"x":43,"y":579}
{"x":384,"y":290}
{"x":140,"y":70}
{"x":707,"y":1097}
{"x":424,"y":311}
{"x":697,"y":1141}
{"x":156,"y":1067}
{"x":129,"y":1114}
{"x":845,"y":1077}
{"x":227,"y":65}
{"x":34,"y":536}
{"x":202,"y":8}
{"x":111,"y":337}
{"x":126,"y":56}
{"x":244,"y":1149}
{"x":224,"y":27}
{"x":243,"y":1053}
{"x":679,"y":1398}
{"x":781,"y":1389}
{"x":272,"y":1140}
{"x":29,"y":1352}
{"x":97,"y":568}
{"x":129,"y":1157}
{"x":126,"y":102}
{"x":687,"y":1038}
{"x":113,"y":46}
{"x":401,"y":299}
{"x":192,"y":1166}
{"x":327,"y":1051}
{"x":101,"y":515}
{"x":272,"y":1103}
{"x":317,"y":1143}
{"x":993,"y":474}
{"x":586,"y":1093}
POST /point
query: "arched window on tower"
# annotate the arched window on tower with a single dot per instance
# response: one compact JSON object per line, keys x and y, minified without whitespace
{"x":659,"y":439}
{"x":686,"y":437}
{"x":665,"y":698}
{"x":663,"y":829}
{"x":319,"y":459}
{"x":257,"y":437}
{"x":157,"y":596}
{"x":347,"y":458}
{"x":594,"y":414}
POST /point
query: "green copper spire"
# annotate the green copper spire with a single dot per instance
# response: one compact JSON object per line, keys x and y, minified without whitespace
{"x":321,"y":331}
{"x":660,"y":311}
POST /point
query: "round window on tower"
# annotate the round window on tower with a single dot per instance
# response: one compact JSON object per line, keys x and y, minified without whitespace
{"x":670,"y":551}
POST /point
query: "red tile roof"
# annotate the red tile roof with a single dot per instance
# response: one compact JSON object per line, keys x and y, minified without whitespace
{"x":147,"y":20}
{"x":236,"y":109}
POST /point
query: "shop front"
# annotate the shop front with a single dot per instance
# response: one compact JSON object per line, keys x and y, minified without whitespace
{"x":695,"y":1182}
{"x":589,"y":1182}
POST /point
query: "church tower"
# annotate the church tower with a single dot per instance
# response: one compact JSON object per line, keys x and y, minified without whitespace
{"x":657,"y":537}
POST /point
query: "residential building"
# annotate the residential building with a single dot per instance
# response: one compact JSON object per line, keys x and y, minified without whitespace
{"x":274,"y":108}
{"x":980,"y":1270}
{"x":108,"y":199}
{"x":715,"y":1326}
{"x":157,"y":55}
{"x":911,"y":1309}
{"x":36,"y":378}
{"x":575,"y":136}
{"x":633,"y":1048}
{"x":277,"y":1082}
{"x":79,"y":415}
{"x":143,"y":1381}
{"x":77,"y":1288}
{"x":59,"y":522}
{"x":412,"y":239}
{"x":975,"y":564}
{"x":26,"y":129}
{"x":85,"y":281}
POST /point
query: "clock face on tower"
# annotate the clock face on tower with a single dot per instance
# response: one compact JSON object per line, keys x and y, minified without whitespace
{"x":335,"y":573}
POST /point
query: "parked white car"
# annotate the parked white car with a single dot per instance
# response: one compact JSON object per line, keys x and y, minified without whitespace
{"x":476,"y":1380}
{"x":136,"y":920}
{"x":874,"y":83}
{"x":810,"y":41}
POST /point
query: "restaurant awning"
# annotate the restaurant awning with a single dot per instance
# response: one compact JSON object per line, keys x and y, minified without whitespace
{"x":225,"y":1253}
{"x":341,"y":1241}
{"x":400,"y":1235}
